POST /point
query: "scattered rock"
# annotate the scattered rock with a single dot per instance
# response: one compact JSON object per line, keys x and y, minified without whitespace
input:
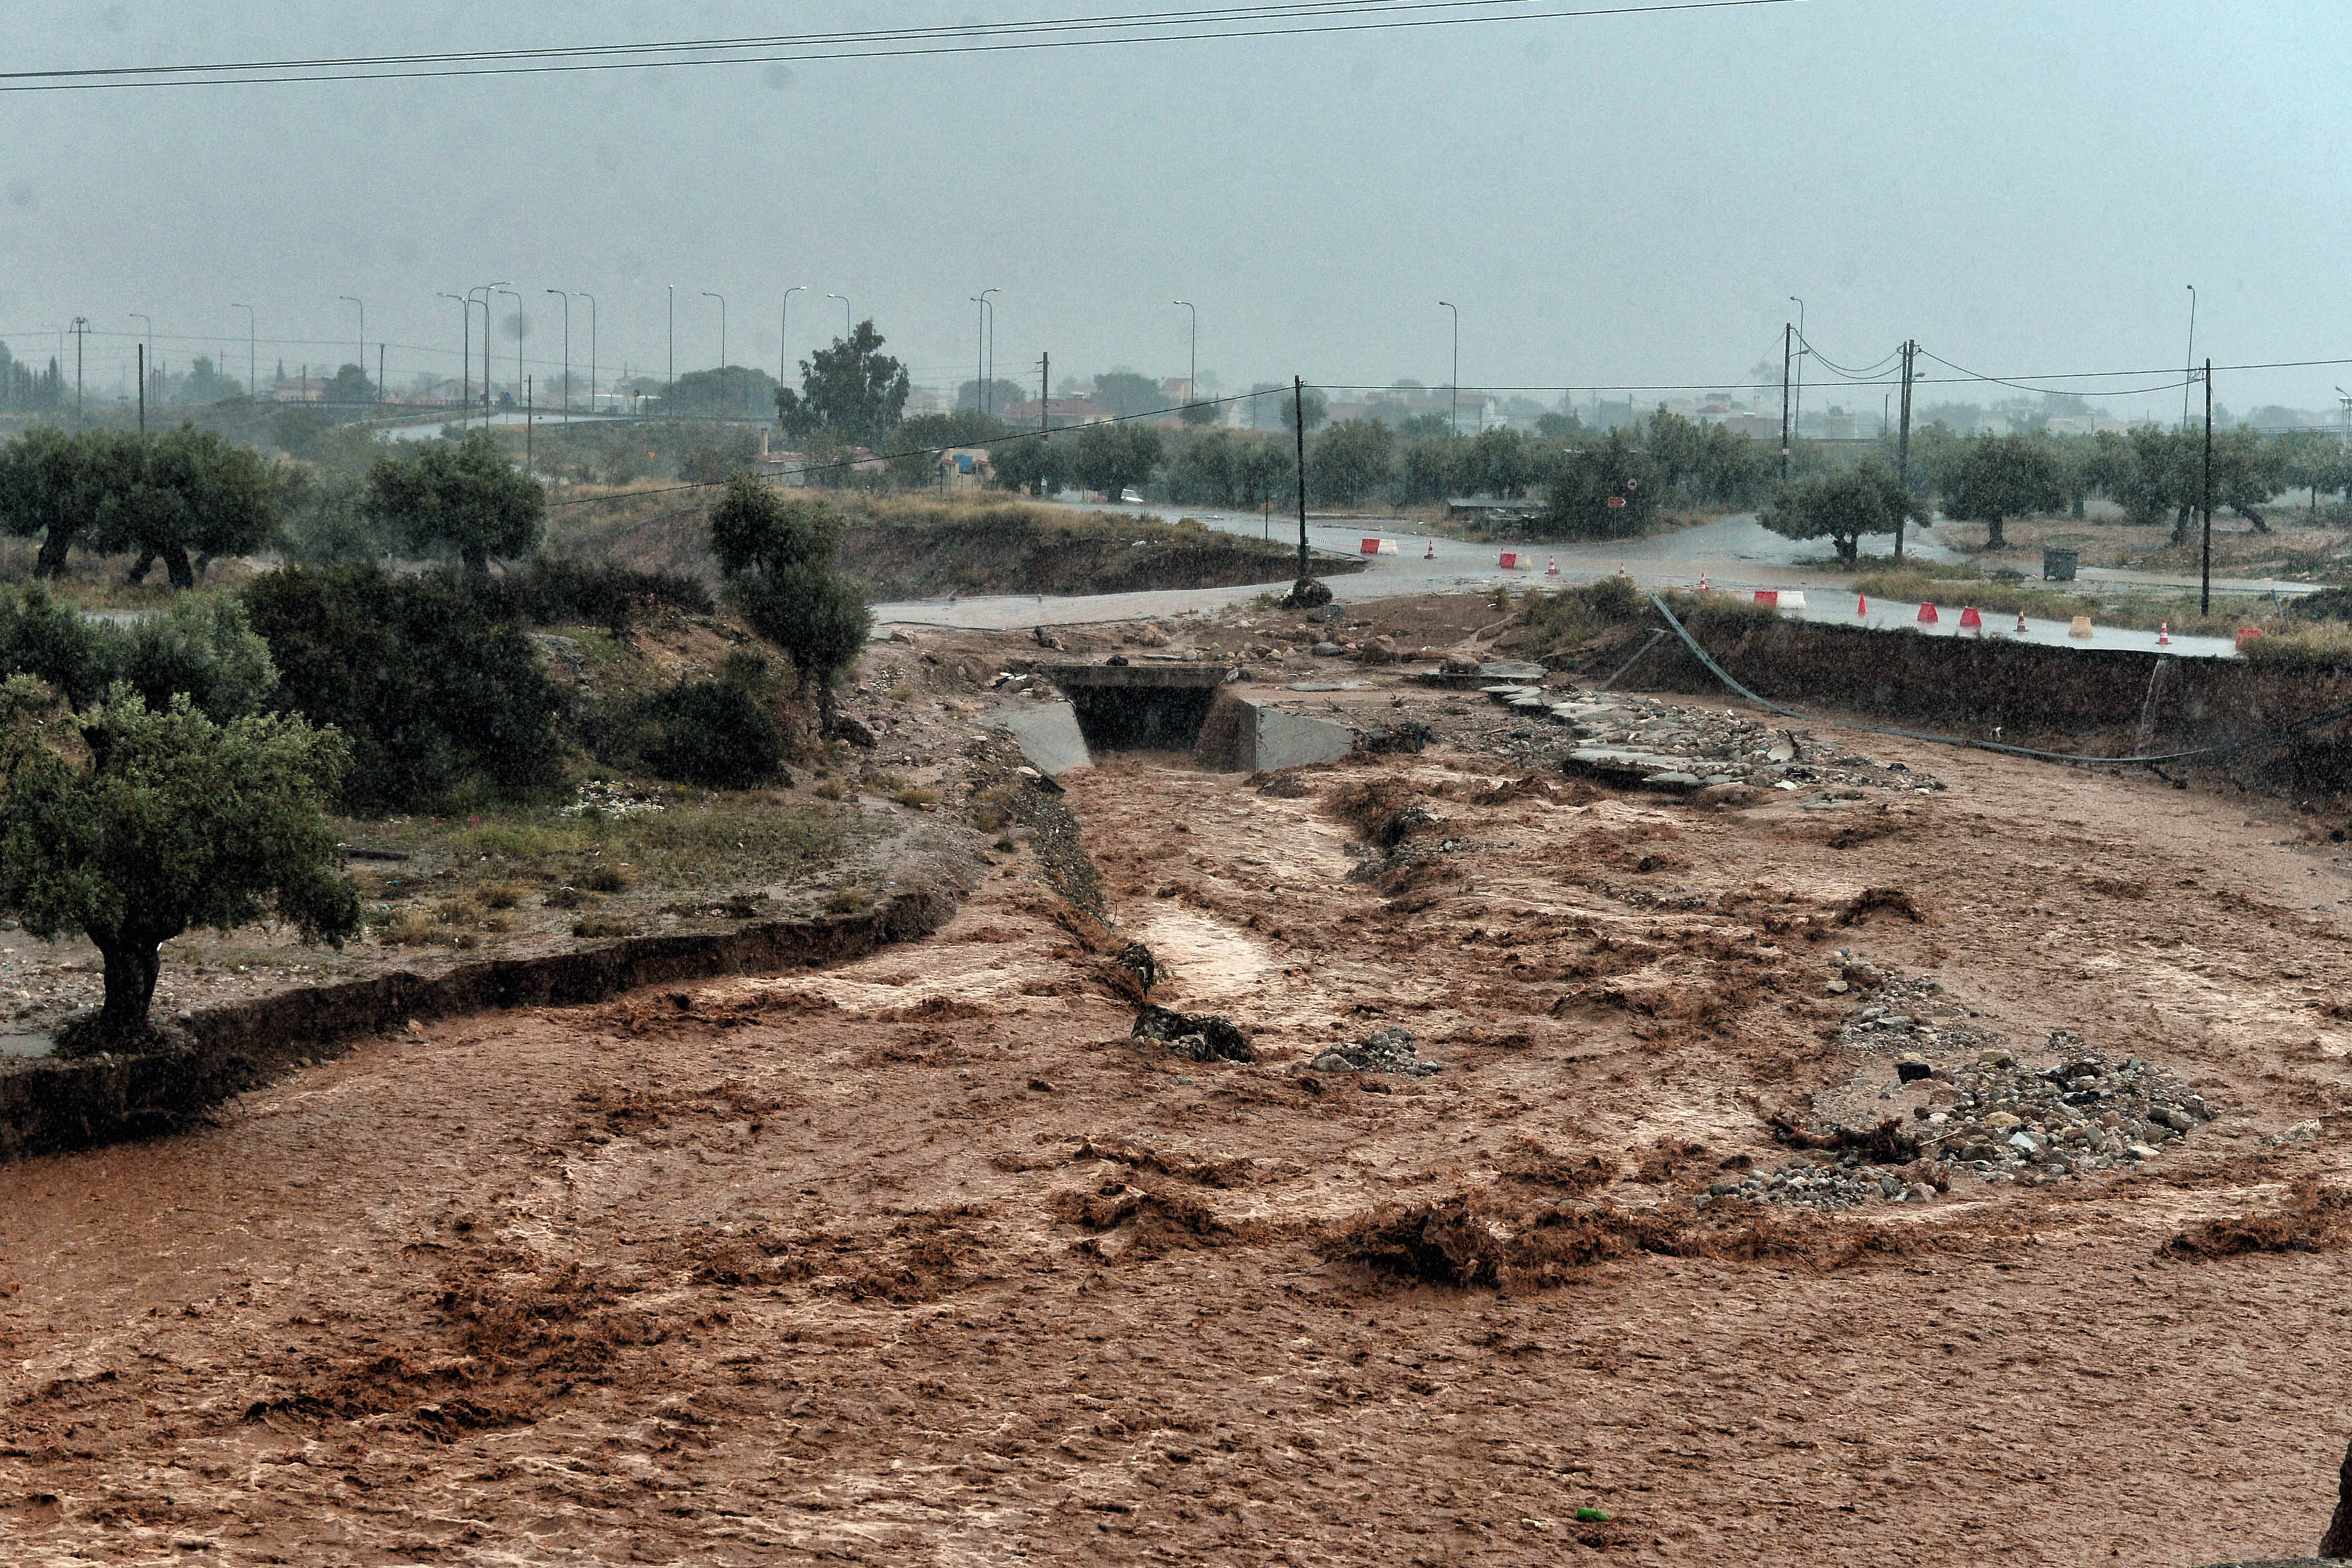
{"x":1389,"y":1051}
{"x":1206,"y":1037}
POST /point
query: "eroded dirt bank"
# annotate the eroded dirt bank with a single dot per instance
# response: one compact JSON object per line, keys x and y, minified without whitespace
{"x":922,"y":1260}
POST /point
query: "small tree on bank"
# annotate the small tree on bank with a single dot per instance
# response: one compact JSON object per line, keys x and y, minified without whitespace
{"x":1993,"y":479}
{"x":1840,"y":506}
{"x":461,"y":497}
{"x":779,"y":553}
{"x":130,"y":825}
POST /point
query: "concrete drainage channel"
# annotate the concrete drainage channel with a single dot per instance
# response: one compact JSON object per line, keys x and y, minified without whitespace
{"x":1163,"y":708}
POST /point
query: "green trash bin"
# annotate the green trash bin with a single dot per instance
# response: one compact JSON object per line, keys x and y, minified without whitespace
{"x":2058,"y":565}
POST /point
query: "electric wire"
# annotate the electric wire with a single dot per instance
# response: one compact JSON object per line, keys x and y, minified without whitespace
{"x":1866,"y":372}
{"x":1279,"y":26}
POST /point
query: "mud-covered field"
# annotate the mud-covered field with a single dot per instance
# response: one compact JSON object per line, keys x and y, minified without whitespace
{"x":926,"y":1261}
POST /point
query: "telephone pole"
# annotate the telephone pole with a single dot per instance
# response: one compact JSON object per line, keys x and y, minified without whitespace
{"x":1298,"y":429}
{"x":80,"y":330}
{"x":141,"y":349}
{"x":1903,"y":445}
{"x":2205,"y":593}
{"x":1788,"y":341}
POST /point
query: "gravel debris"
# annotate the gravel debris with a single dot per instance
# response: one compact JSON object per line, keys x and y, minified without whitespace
{"x":1389,"y":1051}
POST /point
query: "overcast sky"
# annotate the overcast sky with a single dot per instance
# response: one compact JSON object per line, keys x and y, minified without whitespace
{"x":2026,"y":187}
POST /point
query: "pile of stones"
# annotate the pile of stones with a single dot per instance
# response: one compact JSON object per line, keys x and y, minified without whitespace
{"x":2010,"y":1122}
{"x":1850,"y":1182}
{"x":1672,"y":745}
{"x":1389,"y":1051}
{"x":1905,"y":1015}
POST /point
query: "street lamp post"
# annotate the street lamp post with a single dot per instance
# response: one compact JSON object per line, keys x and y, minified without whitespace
{"x":980,"y":354}
{"x":1192,"y":380}
{"x":669,"y":396}
{"x":1456,"y":386}
{"x":252,"y":376}
{"x":784,"y":336}
{"x":845,"y":314}
{"x":519,"y":331}
{"x":592,"y":350}
{"x":722,"y":343}
{"x":567,"y":351}
{"x":2189,"y":374}
{"x":1797,"y":430}
{"x":485,"y":290}
{"x":988,"y":359}
{"x":464,"y":353}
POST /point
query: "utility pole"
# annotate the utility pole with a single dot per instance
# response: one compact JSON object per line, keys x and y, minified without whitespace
{"x":1903,"y":445}
{"x":252,"y":380}
{"x":1192,"y":379}
{"x":2190,"y":358}
{"x":1797,"y":424}
{"x":669,"y":398}
{"x":988,"y":376}
{"x":980,"y":354}
{"x":141,"y":349}
{"x":2205,"y":593}
{"x":80,"y":330}
{"x":1788,"y":342}
{"x":379,"y":376}
{"x":529,"y":409}
{"x":1044,"y":409}
{"x":1298,"y":429}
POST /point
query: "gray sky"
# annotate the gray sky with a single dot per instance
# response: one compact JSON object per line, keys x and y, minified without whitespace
{"x":2024,"y":187}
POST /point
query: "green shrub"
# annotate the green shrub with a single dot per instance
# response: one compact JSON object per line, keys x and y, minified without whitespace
{"x":429,"y":691}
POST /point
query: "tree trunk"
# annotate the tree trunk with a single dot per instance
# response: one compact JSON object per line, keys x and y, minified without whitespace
{"x":132,"y":963}
{"x":1848,"y":547}
{"x":2250,"y":515}
{"x":51,"y":561}
{"x":1995,"y":539}
{"x":477,"y":563}
{"x":175,"y":563}
{"x":2180,"y":528}
{"x":138,"y":569}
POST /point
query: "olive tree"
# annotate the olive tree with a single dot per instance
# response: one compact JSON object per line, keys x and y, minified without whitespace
{"x":130,"y":824}
{"x":463,"y":497}
{"x":779,"y":555}
{"x":1110,"y":456}
{"x":1840,"y":505}
{"x":58,"y":487}
{"x":1993,"y":479}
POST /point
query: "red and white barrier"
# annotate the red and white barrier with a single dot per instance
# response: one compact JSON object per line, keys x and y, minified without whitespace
{"x":1793,"y":599}
{"x":1969,"y":620}
{"x":1928,"y":616}
{"x":1769,"y":596}
{"x":1516,"y":561}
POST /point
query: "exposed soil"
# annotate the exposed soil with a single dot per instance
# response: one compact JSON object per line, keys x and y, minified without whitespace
{"x":928,"y":1259}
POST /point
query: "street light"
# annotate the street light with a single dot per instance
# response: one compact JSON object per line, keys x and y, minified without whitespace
{"x":592,"y":350}
{"x":1193,"y":381}
{"x":722,"y":343}
{"x":485,"y":290}
{"x":1797,"y":430}
{"x":784,"y":335}
{"x":465,"y":355}
{"x":567,"y":351}
{"x":252,"y":379}
{"x":669,"y":396}
{"x":1456,"y":384}
{"x":519,"y":327}
{"x":845,"y":314}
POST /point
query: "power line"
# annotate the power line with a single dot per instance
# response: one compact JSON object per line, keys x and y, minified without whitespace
{"x":1304,"y":19}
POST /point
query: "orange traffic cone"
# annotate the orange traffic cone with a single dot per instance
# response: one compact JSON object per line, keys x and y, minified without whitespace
{"x":2020,"y":623}
{"x":1862,"y":604}
{"x":1430,"y":553}
{"x":1702,"y":582}
{"x":1551,"y":565}
{"x":1621,"y":569}
{"x":2164,"y":634}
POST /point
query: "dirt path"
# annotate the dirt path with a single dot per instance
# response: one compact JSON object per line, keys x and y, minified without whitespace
{"x":922,"y":1261}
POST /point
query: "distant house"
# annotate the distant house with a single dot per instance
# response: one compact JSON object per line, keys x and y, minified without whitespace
{"x":299,"y":389}
{"x":928,"y":400}
{"x":964,"y":468}
{"x":1061,"y":414}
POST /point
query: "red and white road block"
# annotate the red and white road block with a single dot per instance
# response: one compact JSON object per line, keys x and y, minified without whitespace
{"x":1769,"y":596}
{"x":1516,"y":561}
{"x":1928,"y":616}
{"x":1379,"y":547}
{"x":1970,"y":621}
